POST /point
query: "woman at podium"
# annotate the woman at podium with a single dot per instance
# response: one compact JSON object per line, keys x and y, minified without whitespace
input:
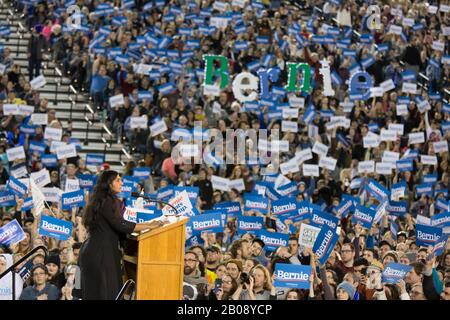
{"x":101,"y":276}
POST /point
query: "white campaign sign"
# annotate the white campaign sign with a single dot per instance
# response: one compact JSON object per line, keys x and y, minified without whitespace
{"x":38,"y":82}
{"x":417,"y":137}
{"x":440,"y":146}
{"x":39,"y":118}
{"x":211,"y":90}
{"x":67,"y":151}
{"x":402,"y":110}
{"x":320,"y":149}
{"x":409,"y":87}
{"x":290,"y":166}
{"x":117,"y":100}
{"x":237,"y":184}
{"x":158,"y":128}
{"x":303,"y":155}
{"x":220,"y":183}
{"x":387,"y":85}
{"x":328,"y":163}
{"x":397,"y":127}
{"x":366,"y":166}
{"x":72,"y":185}
{"x":384,"y":168}
{"x":15,"y":153}
{"x":388,"y":135}
{"x":289,"y":126}
{"x":138,"y":122}
{"x":308,"y":235}
{"x":41,"y":178}
{"x":431,"y":160}
{"x":310,"y":170}
{"x":53,"y":133}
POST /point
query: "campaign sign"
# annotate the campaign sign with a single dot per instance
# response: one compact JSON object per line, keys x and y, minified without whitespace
{"x":273,"y":240}
{"x":16,"y":187}
{"x":397,"y":208}
{"x":320,"y":218}
{"x":440,"y":245}
{"x":324,"y":244}
{"x":194,"y":241}
{"x":28,"y":204}
{"x":377,"y":190}
{"x":394,"y":272}
{"x":426,"y":235}
{"x":292,"y":275}
{"x":345,"y":207}
{"x":250,"y":224}
{"x":49,"y":160}
{"x":257,"y":203}
{"x":7,"y":199}
{"x":142,"y":173}
{"x":233,"y":208}
{"x":441,"y":220}
{"x":191,"y":191}
{"x":284,"y":207}
{"x":398,"y":190}
{"x":11,"y":233}
{"x":307,"y":235}
{"x":55,"y":228}
{"x":87,"y":181}
{"x":364,"y":216}
{"x":303,"y":210}
{"x":207,"y":222}
{"x":94,"y":159}
{"x":144,"y":215}
{"x":73,"y":199}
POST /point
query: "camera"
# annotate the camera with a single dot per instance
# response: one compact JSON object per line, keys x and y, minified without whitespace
{"x":245,"y":278}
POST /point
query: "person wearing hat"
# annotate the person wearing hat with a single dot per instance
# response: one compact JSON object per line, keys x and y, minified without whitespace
{"x":390,"y":256}
{"x":36,"y":47}
{"x":345,"y":291}
{"x":213,"y":257}
{"x":41,"y":290}
{"x":53,"y":264}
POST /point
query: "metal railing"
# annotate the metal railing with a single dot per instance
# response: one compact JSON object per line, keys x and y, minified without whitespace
{"x":128,"y":284}
{"x":14,"y":265}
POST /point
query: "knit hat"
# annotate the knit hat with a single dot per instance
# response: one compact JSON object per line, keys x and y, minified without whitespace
{"x":393,"y":254}
{"x":347,"y":287}
{"x":53,"y":258}
{"x":377,"y":265}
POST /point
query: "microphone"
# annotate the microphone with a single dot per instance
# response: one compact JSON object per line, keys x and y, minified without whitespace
{"x":138,"y":195}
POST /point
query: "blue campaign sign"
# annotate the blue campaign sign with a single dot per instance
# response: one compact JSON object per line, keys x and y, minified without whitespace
{"x":285,"y":207}
{"x":377,"y":190}
{"x":397,"y":208}
{"x":425,"y":188}
{"x":320,"y":218}
{"x":195,"y":240}
{"x":399,"y":187}
{"x":233,"y":208}
{"x":38,"y":147}
{"x":207,"y":222}
{"x":165,"y":193}
{"x":192,"y":192}
{"x":55,"y":228}
{"x":364,"y":216}
{"x":303,"y":211}
{"x":440,"y":245}
{"x":49,"y":160}
{"x":292,"y":275}
{"x":404,"y":165}
{"x":127,"y":188}
{"x":250,"y":224}
{"x":27,"y":204}
{"x":7,"y":199}
{"x":394,"y":272}
{"x":325,"y":242}
{"x":94,"y":159}
{"x":257,"y":203}
{"x":16,"y":187}
{"x":441,"y":220}
{"x":345,"y":207}
{"x":142,"y":173}
{"x":426,"y":235}
{"x":273,"y":240}
{"x":73,"y":199}
{"x":87,"y":181}
{"x":146,"y":215}
{"x":288,"y":190}
{"x":11,"y":233}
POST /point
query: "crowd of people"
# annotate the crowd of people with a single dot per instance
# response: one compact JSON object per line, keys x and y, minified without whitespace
{"x":109,"y":55}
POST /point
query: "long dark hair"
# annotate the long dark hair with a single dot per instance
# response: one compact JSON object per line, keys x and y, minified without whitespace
{"x":102,"y":192}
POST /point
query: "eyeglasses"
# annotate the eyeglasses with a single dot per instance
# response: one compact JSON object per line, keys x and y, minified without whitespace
{"x":346,"y":251}
{"x":190,"y":260}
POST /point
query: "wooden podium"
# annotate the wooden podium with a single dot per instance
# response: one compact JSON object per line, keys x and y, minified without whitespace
{"x":159,"y":263}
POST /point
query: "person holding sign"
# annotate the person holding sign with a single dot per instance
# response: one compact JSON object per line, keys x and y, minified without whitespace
{"x":101,"y":277}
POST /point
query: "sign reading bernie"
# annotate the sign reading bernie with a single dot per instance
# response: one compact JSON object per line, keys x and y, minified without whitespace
{"x":245,"y":84}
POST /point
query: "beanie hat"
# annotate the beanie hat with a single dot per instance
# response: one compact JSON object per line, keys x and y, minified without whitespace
{"x":393,"y":254}
{"x":347,"y":287}
{"x":53,"y":258}
{"x":377,"y":265}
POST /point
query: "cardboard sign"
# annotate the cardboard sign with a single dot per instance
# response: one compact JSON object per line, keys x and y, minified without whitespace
{"x":308,"y":235}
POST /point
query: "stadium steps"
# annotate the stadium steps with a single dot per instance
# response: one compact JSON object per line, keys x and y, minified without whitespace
{"x":62,"y":98}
